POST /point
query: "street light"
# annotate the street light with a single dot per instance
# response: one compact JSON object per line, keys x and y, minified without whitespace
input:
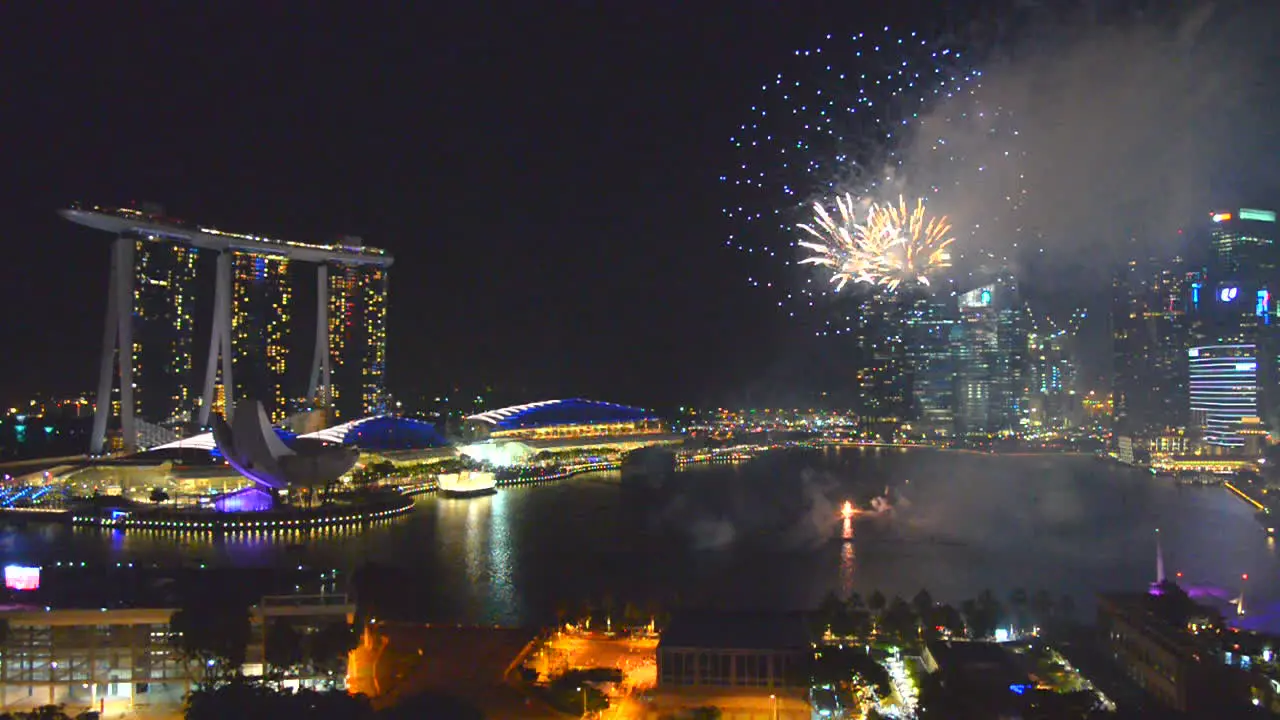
{"x":583,"y":690}
{"x":774,"y":699}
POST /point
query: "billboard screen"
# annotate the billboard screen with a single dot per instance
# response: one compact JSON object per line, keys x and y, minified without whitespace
{"x":17,"y":577}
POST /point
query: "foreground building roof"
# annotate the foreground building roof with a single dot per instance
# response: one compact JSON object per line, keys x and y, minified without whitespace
{"x":548,"y":413}
{"x":382,"y":432}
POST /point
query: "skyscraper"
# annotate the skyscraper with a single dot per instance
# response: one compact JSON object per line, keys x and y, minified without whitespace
{"x":931,"y":333}
{"x":1224,"y":391}
{"x":990,"y":349}
{"x":882,"y":379}
{"x":1051,"y":372}
{"x":148,"y":337}
{"x":164,"y":291}
{"x":261,"y":306}
{"x":1153,"y":306}
{"x":358,"y":339}
{"x":1244,"y":242}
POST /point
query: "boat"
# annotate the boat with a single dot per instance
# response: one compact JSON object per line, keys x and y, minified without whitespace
{"x":468,"y":483}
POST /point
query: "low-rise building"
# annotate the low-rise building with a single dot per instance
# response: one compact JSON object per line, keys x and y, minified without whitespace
{"x":122,"y":658}
{"x":1150,"y":636}
{"x":742,"y":663}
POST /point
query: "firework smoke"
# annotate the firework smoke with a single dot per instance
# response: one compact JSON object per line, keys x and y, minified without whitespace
{"x":1099,"y":140}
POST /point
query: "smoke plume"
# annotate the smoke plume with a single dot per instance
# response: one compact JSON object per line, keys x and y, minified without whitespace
{"x":1081,"y":135}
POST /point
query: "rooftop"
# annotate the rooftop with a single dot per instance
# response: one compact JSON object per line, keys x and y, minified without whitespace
{"x":122,"y":221}
{"x":573,"y":411}
{"x":988,"y":663}
{"x":737,"y":631}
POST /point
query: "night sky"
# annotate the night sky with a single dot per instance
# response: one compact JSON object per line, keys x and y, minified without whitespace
{"x":545,"y":174}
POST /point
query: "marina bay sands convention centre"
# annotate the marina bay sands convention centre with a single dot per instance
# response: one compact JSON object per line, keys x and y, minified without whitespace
{"x":179,"y":291}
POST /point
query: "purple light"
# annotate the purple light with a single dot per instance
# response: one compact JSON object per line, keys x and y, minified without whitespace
{"x":250,"y":499}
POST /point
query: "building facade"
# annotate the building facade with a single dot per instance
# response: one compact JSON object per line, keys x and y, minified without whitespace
{"x":357,"y":317}
{"x":261,"y":308}
{"x":146,"y":372}
{"x":1154,"y":305}
{"x":1224,"y":392}
{"x":164,"y":296}
{"x":990,"y":349}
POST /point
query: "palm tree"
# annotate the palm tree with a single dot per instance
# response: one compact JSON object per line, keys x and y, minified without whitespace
{"x":606,"y":606}
{"x":1042,"y":607}
{"x":1018,"y":603}
{"x":923,"y":603}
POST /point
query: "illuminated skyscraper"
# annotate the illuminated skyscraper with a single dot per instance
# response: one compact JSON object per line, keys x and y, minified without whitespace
{"x":990,"y":349}
{"x":163,"y":332}
{"x":357,"y":322}
{"x":1051,"y":374}
{"x":1154,"y":305}
{"x":148,"y":337}
{"x":1224,"y":391}
{"x":1244,"y":242}
{"x":260,"y":310}
{"x":882,"y":380}
{"x":931,"y":333}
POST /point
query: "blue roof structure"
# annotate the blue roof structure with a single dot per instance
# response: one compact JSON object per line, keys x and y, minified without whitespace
{"x":383,"y":432}
{"x":546,"y":413}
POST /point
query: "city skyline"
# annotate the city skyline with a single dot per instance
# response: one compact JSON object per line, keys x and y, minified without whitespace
{"x":560,"y":243}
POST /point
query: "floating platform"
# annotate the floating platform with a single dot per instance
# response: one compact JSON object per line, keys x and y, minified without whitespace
{"x":467,"y":484}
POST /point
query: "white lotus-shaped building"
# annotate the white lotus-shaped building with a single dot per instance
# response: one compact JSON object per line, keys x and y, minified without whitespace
{"x":251,"y":446}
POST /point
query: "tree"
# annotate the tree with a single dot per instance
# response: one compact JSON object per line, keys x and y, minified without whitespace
{"x":831,"y":614}
{"x":158,"y":495}
{"x":1018,"y":604}
{"x":283,"y":647}
{"x":856,"y":603}
{"x":900,"y":620}
{"x":949,"y":619}
{"x":923,"y":603}
{"x":876,"y":602}
{"x":44,"y":712}
{"x":606,"y":606}
{"x":249,"y":699}
{"x":328,"y":648}
{"x":1067,"y":609}
{"x":1042,"y":607}
{"x":212,"y":636}
{"x":631,"y":615}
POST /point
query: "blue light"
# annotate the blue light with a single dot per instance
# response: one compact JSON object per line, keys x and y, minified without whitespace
{"x":1227,"y":294}
{"x":986,"y":297}
{"x":1019,"y":688}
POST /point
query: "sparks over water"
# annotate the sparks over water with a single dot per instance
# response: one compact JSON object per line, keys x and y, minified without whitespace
{"x":895,"y":245}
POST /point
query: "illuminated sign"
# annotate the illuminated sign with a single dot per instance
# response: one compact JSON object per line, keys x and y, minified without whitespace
{"x":1261,"y":309}
{"x":1227,"y":294}
{"x":1221,"y":217}
{"x":17,"y":577}
{"x":1260,"y":215}
{"x":980,"y":297}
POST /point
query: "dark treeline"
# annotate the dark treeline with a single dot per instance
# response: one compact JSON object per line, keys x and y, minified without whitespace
{"x":922,"y":617}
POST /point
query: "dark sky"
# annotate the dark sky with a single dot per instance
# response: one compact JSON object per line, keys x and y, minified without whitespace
{"x":544,"y":173}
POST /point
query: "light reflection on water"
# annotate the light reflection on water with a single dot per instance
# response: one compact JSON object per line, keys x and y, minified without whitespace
{"x":966,"y":522}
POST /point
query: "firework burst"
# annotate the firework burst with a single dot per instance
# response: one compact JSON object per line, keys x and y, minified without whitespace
{"x":896,"y":244}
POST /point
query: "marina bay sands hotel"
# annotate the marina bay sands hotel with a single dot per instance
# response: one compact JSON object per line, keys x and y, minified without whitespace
{"x":161,"y":312}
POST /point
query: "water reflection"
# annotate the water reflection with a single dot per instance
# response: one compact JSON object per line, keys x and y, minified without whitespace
{"x":966,"y":522}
